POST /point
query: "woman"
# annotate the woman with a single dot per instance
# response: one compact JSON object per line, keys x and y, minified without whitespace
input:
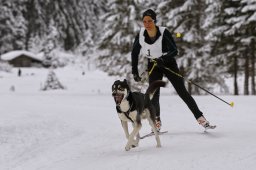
{"x":156,"y":43}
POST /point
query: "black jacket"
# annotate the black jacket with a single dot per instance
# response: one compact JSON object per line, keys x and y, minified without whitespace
{"x":168,"y":46}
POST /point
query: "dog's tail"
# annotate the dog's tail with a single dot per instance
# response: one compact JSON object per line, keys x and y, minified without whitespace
{"x":154,"y":86}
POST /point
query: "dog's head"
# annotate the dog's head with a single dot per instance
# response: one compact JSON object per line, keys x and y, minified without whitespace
{"x":120,"y":90}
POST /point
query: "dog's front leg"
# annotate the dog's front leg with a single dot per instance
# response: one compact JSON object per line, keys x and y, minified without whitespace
{"x":125,"y":127}
{"x":137,"y":136}
{"x":131,"y":142}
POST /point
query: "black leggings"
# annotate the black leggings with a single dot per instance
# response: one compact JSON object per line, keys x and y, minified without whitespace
{"x":178,"y":84}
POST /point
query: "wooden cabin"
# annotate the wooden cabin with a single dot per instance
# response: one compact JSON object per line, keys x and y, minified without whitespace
{"x":21,"y":58}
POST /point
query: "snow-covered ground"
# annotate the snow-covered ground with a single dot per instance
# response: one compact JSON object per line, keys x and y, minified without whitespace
{"x":78,"y":128}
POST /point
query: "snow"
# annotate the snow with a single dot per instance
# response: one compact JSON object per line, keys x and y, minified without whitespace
{"x":252,"y":18}
{"x":16,"y":53}
{"x":78,"y":128}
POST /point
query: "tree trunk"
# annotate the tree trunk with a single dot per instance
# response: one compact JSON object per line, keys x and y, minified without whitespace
{"x":29,"y":17}
{"x":246,"y":73}
{"x":252,"y":47}
{"x":235,"y":76}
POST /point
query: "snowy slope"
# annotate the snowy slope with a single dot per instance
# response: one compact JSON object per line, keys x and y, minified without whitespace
{"x":78,"y":128}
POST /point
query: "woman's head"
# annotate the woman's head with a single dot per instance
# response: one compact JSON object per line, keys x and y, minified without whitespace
{"x":150,"y":13}
{"x":149,"y":19}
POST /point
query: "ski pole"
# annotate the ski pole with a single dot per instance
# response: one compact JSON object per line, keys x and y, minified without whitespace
{"x":191,"y":82}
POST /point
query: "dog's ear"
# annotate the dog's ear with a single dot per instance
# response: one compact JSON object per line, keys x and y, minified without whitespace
{"x":125,"y":82}
{"x":114,"y":84}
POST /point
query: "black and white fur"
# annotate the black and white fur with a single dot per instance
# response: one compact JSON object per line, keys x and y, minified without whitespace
{"x":133,"y":107}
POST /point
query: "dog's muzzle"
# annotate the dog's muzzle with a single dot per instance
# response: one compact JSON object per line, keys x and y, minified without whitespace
{"x":118,"y":97}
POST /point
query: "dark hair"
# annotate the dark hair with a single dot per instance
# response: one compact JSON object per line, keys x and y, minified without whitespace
{"x":150,"y":13}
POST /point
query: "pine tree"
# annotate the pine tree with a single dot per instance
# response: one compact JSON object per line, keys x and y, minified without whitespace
{"x":52,"y":82}
{"x":218,"y":37}
{"x":87,"y":49}
{"x":49,"y":45}
{"x":187,"y":17}
{"x":116,"y":41}
{"x":248,"y":25}
{"x":12,"y":25}
{"x":231,"y":45}
{"x":214,"y":28}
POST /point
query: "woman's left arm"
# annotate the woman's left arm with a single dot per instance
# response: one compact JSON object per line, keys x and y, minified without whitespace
{"x":169,"y":46}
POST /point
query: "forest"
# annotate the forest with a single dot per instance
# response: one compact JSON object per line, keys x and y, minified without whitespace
{"x":217,"y":37}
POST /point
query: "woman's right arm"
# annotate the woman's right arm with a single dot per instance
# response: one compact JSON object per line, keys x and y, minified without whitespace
{"x":135,"y":55}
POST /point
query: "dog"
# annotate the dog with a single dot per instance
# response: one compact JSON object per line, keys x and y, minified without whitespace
{"x":133,"y":107}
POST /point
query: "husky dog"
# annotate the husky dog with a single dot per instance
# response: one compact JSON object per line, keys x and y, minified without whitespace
{"x":133,"y":107}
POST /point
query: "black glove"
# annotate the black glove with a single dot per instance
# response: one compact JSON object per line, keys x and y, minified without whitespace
{"x":136,"y":77}
{"x":160,"y":62}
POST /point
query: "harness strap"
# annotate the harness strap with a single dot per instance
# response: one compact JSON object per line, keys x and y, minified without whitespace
{"x":152,"y":68}
{"x":127,"y":113}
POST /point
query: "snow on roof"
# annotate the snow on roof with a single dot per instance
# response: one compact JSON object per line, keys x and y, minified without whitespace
{"x":14,"y":54}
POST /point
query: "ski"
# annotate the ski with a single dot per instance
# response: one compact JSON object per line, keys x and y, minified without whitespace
{"x":152,"y":134}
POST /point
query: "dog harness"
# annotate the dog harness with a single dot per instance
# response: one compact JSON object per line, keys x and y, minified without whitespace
{"x":125,"y":113}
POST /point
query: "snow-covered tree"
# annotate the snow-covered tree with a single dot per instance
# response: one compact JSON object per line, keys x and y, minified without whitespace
{"x":119,"y":31}
{"x":49,"y":46}
{"x":187,"y":17}
{"x":52,"y":82}
{"x":214,"y":29}
{"x":230,"y":46}
{"x":5,"y":67}
{"x":12,"y":25}
{"x":218,"y":37}
{"x":248,"y":24}
{"x":87,"y":49}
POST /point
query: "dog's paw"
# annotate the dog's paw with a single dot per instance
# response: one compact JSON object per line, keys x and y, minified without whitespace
{"x":133,"y":146}
{"x":130,"y":146}
{"x":135,"y":143}
{"x":127,"y":148}
{"x":159,"y":146}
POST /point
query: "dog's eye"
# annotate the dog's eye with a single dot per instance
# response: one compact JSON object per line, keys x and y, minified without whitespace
{"x":121,"y":88}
